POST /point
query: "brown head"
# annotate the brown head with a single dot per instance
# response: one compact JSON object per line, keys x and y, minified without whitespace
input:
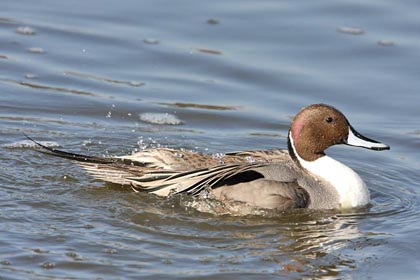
{"x":318,"y":127}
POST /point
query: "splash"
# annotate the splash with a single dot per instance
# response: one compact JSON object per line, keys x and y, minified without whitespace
{"x":29,"y":144}
{"x":159,"y":118}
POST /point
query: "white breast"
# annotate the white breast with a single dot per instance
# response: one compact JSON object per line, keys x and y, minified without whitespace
{"x":348,"y":184}
{"x":350,"y":187}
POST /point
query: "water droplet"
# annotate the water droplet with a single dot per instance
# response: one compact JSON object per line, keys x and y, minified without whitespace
{"x":206,"y":193}
{"x":250,"y":159}
{"x":87,"y":142}
{"x":48,"y":265}
{"x":219,"y":156}
{"x":178,"y":155}
{"x":25,"y":30}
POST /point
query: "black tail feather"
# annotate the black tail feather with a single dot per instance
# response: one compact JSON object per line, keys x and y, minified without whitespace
{"x":77,"y":157}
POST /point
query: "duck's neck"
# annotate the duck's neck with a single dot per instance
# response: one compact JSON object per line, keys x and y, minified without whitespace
{"x":348,"y":184}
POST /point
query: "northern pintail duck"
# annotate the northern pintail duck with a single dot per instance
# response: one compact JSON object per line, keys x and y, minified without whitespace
{"x":301,"y":177}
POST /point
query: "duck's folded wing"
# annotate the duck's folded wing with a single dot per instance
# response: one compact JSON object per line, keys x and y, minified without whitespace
{"x":193,"y":182}
{"x":260,"y":185}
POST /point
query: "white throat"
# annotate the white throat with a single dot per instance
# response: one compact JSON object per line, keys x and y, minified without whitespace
{"x":350,"y":187}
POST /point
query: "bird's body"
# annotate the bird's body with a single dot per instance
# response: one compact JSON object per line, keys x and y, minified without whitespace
{"x":300,"y":177}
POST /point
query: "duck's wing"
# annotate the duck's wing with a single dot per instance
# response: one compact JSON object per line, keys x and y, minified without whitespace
{"x":195,"y":181}
{"x":226,"y":176}
{"x":272,"y":186}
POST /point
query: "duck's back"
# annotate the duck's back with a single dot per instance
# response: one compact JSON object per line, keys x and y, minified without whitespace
{"x":186,"y":160}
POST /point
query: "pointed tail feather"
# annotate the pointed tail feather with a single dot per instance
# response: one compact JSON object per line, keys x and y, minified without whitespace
{"x":113,"y":170}
{"x":72,"y":156}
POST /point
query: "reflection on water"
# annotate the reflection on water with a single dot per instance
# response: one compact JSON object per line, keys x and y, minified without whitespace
{"x":200,"y":106}
{"x":103,"y":79}
{"x":298,"y":242}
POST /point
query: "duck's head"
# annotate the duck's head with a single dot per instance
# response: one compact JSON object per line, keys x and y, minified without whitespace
{"x":317,"y":127}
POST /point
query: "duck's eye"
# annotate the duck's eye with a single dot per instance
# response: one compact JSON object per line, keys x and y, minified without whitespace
{"x":328,"y":119}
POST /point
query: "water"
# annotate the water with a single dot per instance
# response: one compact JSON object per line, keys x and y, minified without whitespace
{"x":231,"y":74}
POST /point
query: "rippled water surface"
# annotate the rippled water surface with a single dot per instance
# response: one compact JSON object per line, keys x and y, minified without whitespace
{"x":113,"y":77}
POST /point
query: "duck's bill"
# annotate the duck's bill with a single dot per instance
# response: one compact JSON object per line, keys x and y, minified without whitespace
{"x":358,"y":140}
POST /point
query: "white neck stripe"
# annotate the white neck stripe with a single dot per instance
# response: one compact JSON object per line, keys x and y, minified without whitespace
{"x":350,"y":187}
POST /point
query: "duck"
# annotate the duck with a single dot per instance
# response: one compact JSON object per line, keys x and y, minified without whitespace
{"x":301,"y":176}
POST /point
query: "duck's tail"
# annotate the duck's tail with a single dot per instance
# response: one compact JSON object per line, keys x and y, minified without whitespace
{"x":109,"y":169}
